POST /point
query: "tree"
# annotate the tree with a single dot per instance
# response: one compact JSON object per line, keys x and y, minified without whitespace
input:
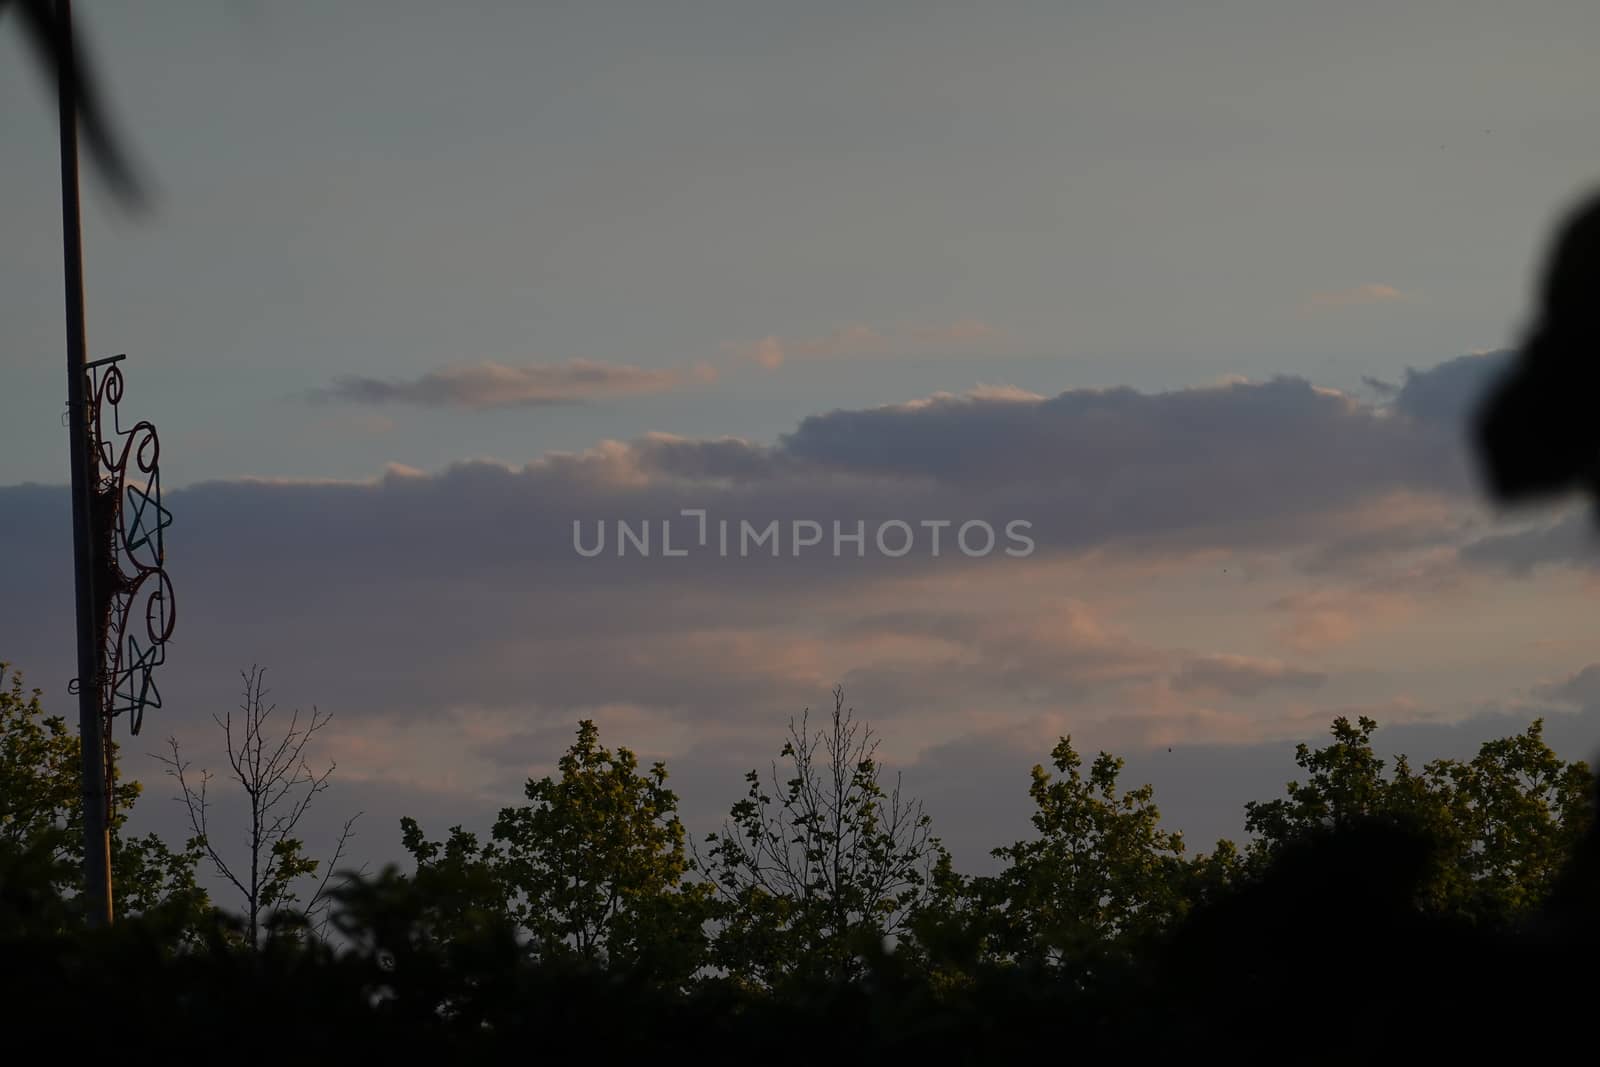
{"x":1520,"y":813}
{"x":592,"y":870}
{"x":814,"y":880}
{"x":279,"y":786}
{"x":1346,"y":783}
{"x":1500,"y":825}
{"x":41,"y":818}
{"x":1101,"y":875}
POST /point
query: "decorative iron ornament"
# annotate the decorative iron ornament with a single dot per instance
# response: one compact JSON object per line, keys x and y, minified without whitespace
{"x":136,"y":611}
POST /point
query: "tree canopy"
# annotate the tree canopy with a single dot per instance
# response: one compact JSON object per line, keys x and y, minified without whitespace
{"x":593,"y":867}
{"x":41,"y":828}
{"x":825,"y":905}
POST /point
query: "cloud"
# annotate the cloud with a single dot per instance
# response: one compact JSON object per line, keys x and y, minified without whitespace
{"x":1450,"y":392}
{"x":1569,"y":540}
{"x":1386,"y":390}
{"x":768,"y":352}
{"x":1581,"y":689}
{"x":462,"y":588}
{"x":1001,"y":391}
{"x":1119,"y":463}
{"x":1356,"y":296}
{"x":446,"y":618}
{"x":489,"y":386}
{"x":1390,"y":529}
{"x":1329,"y":616}
{"x":858,"y":340}
{"x":965,"y":332}
{"x":1030,"y":655}
{"x":1243,"y":676}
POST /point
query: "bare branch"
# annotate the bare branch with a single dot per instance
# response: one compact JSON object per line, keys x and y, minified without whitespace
{"x":276,"y":778}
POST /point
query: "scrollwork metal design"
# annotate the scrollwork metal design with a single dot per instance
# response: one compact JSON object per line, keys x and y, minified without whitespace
{"x":136,"y":607}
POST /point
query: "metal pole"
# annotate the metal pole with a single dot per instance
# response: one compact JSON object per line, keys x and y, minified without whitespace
{"x":96,"y":832}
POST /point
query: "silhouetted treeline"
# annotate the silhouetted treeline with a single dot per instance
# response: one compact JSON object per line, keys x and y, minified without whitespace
{"x":1375,"y":908}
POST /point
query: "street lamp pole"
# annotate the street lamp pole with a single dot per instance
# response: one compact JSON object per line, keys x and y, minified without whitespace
{"x":91,"y":728}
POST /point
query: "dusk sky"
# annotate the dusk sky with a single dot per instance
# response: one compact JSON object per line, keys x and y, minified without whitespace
{"x":1204,"y":293}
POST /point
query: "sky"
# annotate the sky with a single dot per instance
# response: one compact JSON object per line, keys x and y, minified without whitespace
{"x":1202,"y":294}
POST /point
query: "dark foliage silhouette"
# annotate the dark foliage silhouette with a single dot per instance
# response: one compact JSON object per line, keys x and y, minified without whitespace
{"x":1379,"y":909}
{"x":1537,"y":438}
{"x":820,"y":862}
{"x":1537,"y":434}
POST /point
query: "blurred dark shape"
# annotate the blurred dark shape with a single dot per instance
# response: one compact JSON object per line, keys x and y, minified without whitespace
{"x":40,"y":23}
{"x":1312,"y":929}
{"x":1537,"y":434}
{"x":1329,"y":953}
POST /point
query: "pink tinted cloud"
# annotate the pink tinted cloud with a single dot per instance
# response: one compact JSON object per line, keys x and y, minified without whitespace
{"x":1326,"y":618}
{"x":1356,"y":296}
{"x":860,"y":340}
